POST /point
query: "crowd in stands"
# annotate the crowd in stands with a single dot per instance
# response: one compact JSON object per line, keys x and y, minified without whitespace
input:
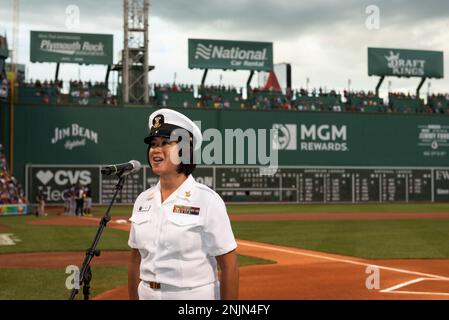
{"x":221,"y":97}
{"x":11,"y":192}
{"x":438,"y":103}
{"x":266,"y":100}
{"x":407,"y":103}
{"x":3,"y":84}
{"x":317,"y":100}
{"x":42,"y":84}
{"x":217,"y":97}
{"x":50,"y":93}
{"x":361,"y":101}
{"x":173,"y":87}
{"x":41,"y":92}
{"x":84,"y":92}
{"x":3,"y":88}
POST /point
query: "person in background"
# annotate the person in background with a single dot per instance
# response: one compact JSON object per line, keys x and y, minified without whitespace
{"x":79,"y":198}
{"x":66,"y":196}
{"x":40,"y":204}
{"x":87,"y":200}
{"x":72,"y":200}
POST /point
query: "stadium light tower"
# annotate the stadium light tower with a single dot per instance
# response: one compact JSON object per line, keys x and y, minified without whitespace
{"x":135,"y":52}
{"x":15,"y":45}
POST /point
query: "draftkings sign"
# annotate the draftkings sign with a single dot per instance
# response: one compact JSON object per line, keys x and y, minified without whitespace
{"x":405,"y":63}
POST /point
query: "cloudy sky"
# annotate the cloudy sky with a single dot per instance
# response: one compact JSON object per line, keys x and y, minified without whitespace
{"x":324,"y":40}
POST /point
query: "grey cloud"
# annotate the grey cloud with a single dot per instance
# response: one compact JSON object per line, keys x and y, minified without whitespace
{"x":53,"y":12}
{"x":284,"y":18}
{"x":275,"y":19}
{"x":337,"y":25}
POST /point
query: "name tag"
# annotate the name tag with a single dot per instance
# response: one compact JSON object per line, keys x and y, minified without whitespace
{"x":144,"y":208}
{"x":186,"y":210}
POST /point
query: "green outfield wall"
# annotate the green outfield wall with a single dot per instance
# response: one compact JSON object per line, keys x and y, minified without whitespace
{"x":102,"y":135}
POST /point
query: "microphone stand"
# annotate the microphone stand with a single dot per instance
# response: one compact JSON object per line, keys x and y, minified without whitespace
{"x":85,"y":275}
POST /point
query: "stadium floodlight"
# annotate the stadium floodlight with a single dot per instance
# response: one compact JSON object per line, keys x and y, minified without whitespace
{"x":135,"y":52}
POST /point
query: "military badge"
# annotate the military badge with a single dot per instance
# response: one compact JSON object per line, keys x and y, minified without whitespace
{"x":186,"y":210}
{"x":158,"y":121}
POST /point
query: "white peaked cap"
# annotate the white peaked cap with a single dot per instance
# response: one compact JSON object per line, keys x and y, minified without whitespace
{"x":174,"y":118}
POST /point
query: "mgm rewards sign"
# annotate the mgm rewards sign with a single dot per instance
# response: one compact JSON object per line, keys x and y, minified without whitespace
{"x":233,"y":55}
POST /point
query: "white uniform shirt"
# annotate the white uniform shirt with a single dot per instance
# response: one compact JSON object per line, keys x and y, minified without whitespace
{"x":179,"y":239}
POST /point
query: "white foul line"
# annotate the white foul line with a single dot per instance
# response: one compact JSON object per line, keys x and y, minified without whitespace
{"x":342,"y":260}
{"x":318,"y":256}
{"x":393,"y":289}
{"x":423,"y":293}
{"x":402,"y":285}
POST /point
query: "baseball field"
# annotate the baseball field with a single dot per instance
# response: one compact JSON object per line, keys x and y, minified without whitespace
{"x":390,"y":251}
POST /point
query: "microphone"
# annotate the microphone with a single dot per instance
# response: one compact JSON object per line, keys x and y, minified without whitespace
{"x":122,"y":169}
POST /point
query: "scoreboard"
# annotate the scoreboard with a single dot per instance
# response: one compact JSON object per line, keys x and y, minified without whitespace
{"x":332,"y":185}
{"x":290,"y":184}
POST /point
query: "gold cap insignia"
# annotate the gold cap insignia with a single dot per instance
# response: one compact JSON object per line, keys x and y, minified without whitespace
{"x":158,"y":121}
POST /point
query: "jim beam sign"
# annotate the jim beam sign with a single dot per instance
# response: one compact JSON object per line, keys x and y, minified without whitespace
{"x":232,"y":55}
{"x":74,"y":136}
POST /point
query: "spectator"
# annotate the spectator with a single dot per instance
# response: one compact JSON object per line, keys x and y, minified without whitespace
{"x":79,"y":198}
{"x":40,"y":204}
{"x":88,"y":200}
{"x":66,"y":196}
{"x":72,"y":200}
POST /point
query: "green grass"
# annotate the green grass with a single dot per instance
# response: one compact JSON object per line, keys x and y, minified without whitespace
{"x":308,"y":208}
{"x":338,"y":208}
{"x":46,"y":283}
{"x":45,"y":238}
{"x":41,"y":238}
{"x":427,"y":239}
{"x":31,"y":284}
{"x":368,"y":239}
{"x":387,"y":239}
{"x":249,"y":261}
{"x":43,"y":284}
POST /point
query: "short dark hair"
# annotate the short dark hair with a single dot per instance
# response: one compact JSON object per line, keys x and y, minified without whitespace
{"x":186,"y":169}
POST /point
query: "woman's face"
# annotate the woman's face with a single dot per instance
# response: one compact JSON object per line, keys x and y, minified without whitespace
{"x":163,"y":156}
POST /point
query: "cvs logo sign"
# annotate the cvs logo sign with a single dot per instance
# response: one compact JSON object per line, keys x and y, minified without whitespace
{"x":64,"y":177}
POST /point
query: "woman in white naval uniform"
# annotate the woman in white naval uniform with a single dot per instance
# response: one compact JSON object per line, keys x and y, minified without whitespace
{"x":180,"y":228}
